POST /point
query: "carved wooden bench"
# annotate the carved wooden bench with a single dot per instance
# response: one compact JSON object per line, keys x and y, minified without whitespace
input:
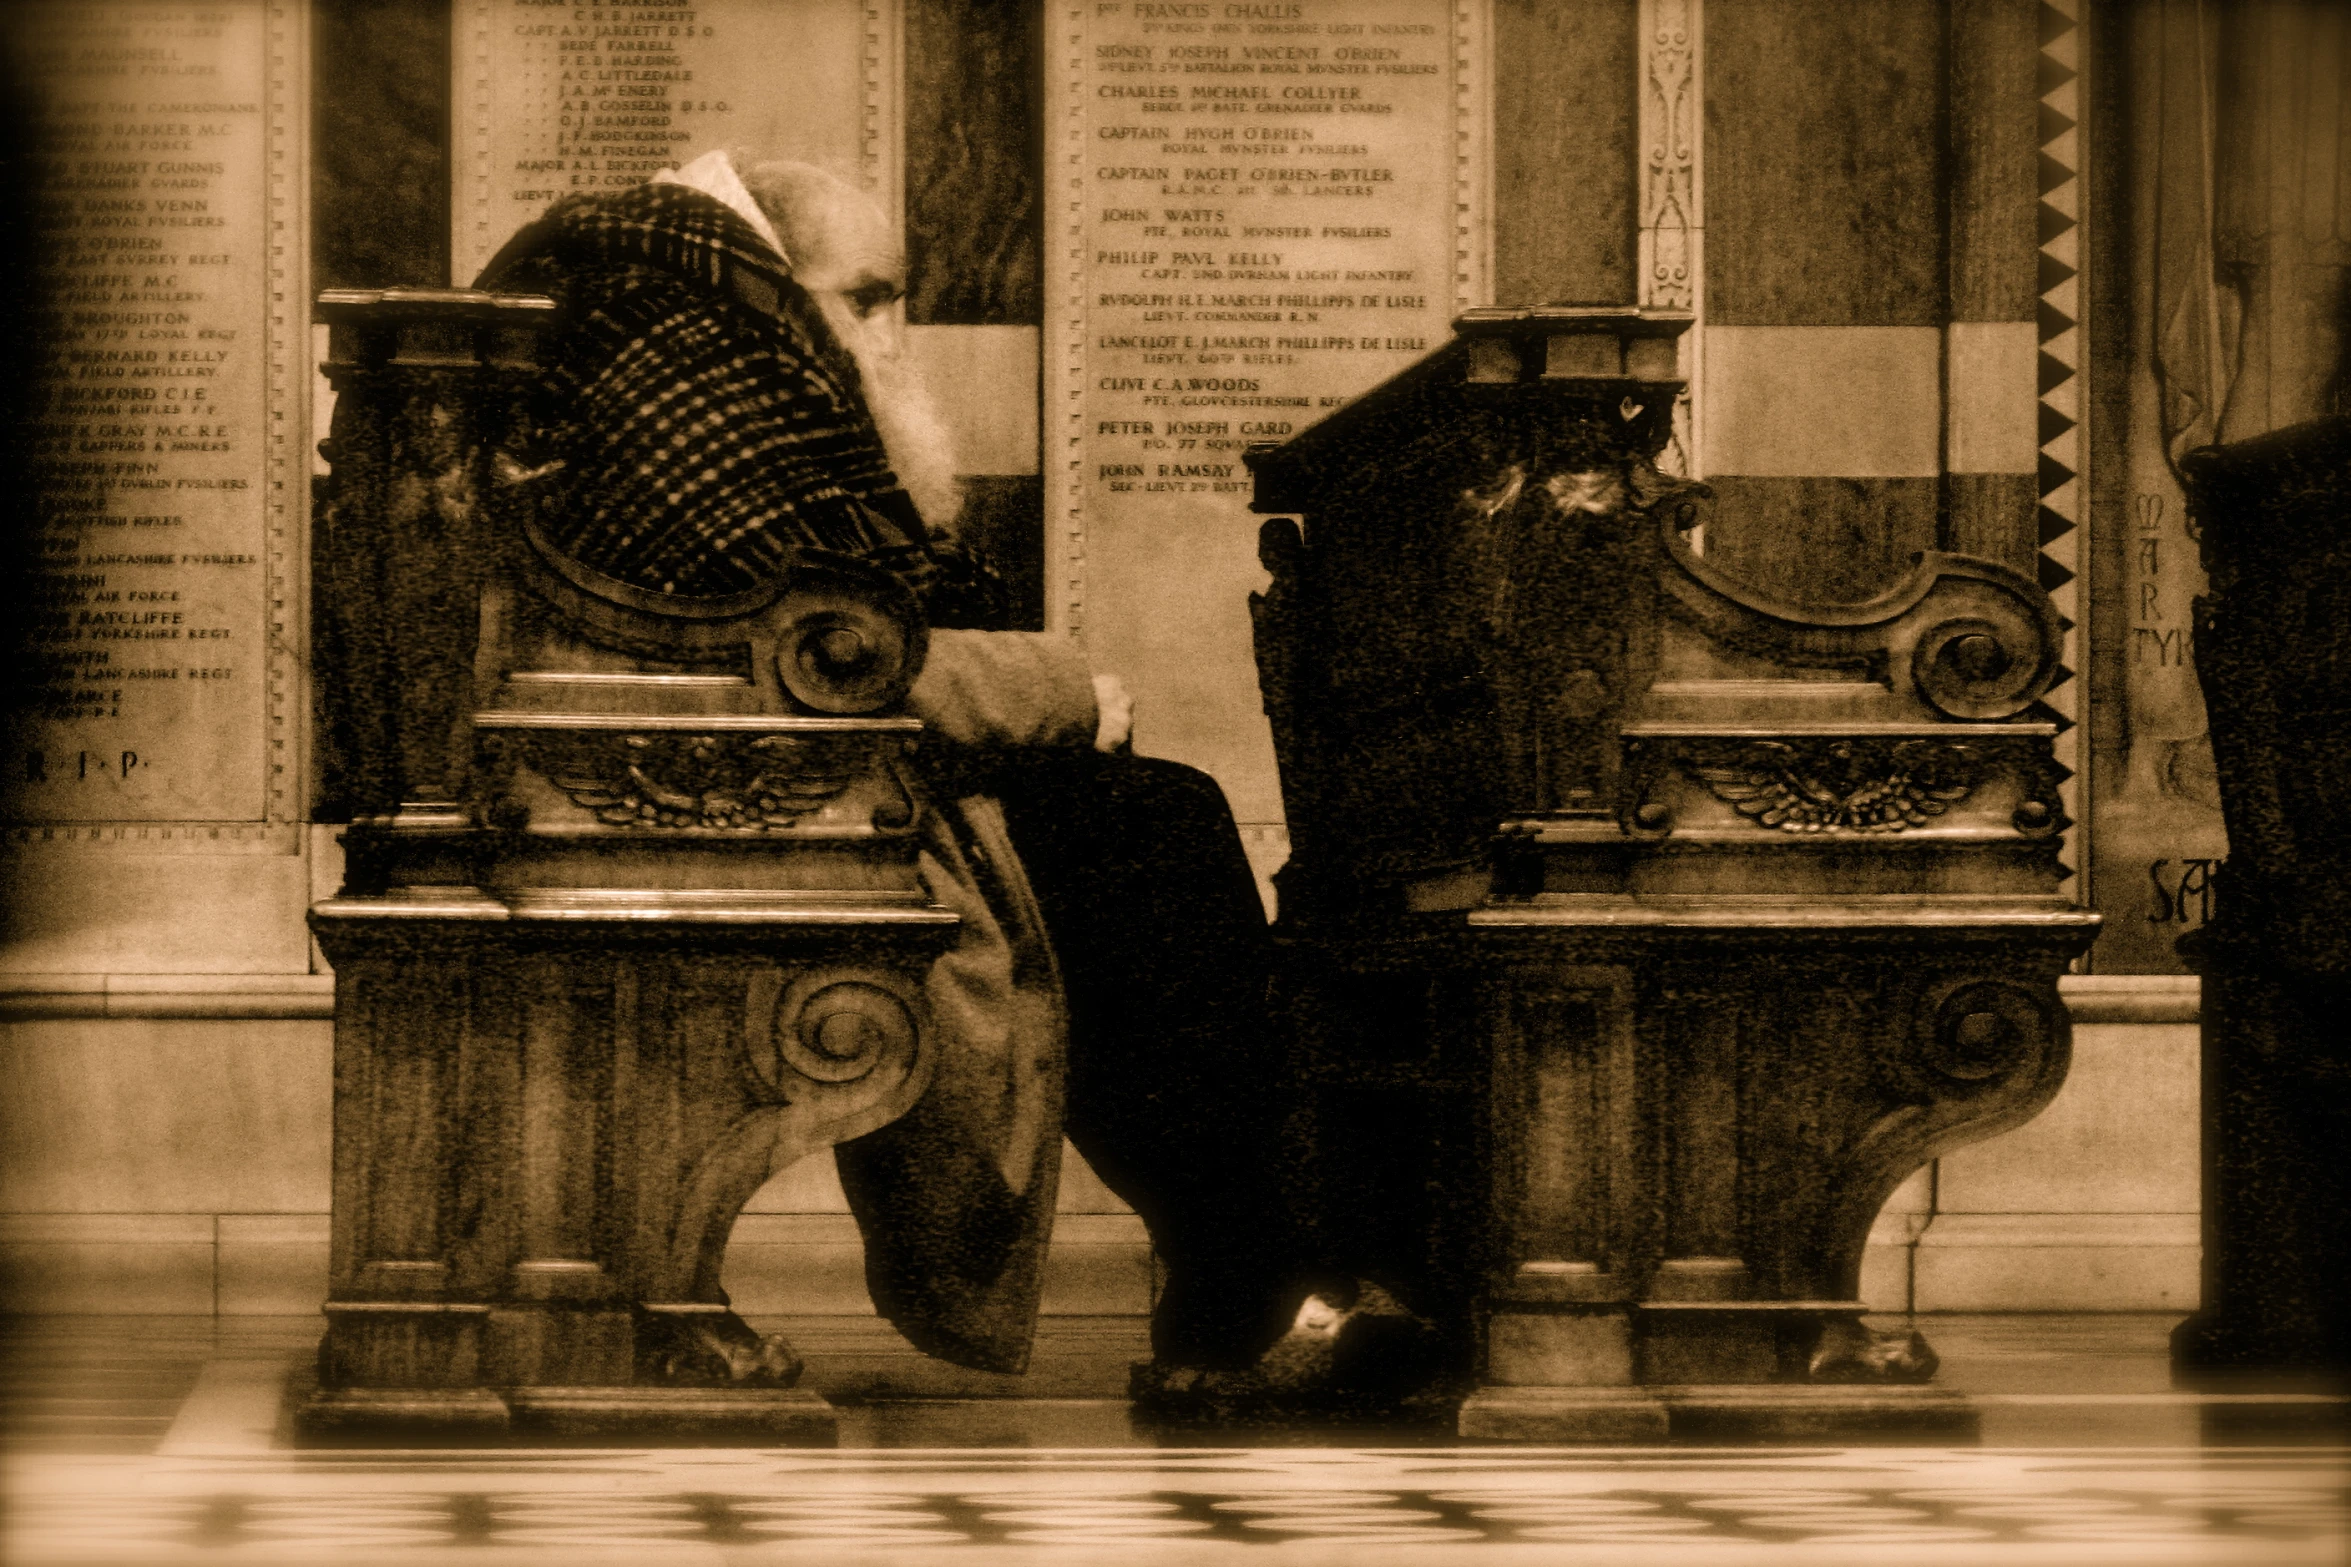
{"x":1661,"y":928}
{"x":630,"y":918}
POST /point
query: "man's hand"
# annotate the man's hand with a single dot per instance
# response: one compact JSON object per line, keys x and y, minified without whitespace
{"x":1115,"y":723}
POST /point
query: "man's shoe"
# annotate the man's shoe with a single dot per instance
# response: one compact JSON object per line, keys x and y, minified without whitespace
{"x":1372,"y":1360}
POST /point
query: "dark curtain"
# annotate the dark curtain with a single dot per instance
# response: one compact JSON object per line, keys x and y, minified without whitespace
{"x":2252,"y":213}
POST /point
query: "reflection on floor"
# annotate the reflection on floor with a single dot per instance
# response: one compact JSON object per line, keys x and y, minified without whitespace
{"x":147,"y":1439}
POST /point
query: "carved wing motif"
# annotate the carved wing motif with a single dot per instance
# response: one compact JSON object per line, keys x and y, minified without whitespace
{"x":1843,"y":785}
{"x":761,"y":784}
{"x":1760,"y":786}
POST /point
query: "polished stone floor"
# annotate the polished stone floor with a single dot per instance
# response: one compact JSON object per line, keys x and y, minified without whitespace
{"x":162,"y":1440}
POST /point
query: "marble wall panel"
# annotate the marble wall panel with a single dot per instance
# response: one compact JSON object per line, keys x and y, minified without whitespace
{"x":811,"y":1185}
{"x":2119,"y":1137}
{"x":974,"y":207}
{"x":162,"y":1116}
{"x":1861,"y":402}
{"x":796,"y":1264}
{"x":1994,"y":133}
{"x":1100,"y":1265}
{"x":379,"y":174}
{"x":2057,"y":1262}
{"x":1992,"y":515}
{"x":2089,"y":1207}
{"x":1567,"y":81}
{"x":1824,"y":190}
{"x":1822,"y":538}
{"x":1989,"y":370}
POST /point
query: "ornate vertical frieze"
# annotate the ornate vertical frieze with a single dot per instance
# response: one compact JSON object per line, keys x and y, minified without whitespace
{"x":882,"y":130}
{"x":472,"y":234}
{"x":1672,"y":254}
{"x":1064,"y":424}
{"x":1473,"y":142}
{"x":2061,"y":363}
{"x":289,"y":373}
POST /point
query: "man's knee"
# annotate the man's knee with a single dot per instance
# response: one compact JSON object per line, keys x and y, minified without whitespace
{"x":1118,"y":805}
{"x":1170,"y":790}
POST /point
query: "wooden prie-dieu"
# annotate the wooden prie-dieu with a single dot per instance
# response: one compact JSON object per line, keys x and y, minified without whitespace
{"x":630,"y":918}
{"x":1642,"y":932}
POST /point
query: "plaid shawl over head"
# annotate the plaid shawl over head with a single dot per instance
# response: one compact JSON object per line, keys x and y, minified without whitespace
{"x":709,"y":422}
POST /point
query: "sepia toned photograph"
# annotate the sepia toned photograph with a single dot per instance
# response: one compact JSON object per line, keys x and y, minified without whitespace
{"x":1064,"y":781}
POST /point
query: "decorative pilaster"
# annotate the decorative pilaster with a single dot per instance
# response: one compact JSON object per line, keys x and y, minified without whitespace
{"x":1564,"y":1085}
{"x":1672,"y":245}
{"x":1063,"y":432}
{"x":1473,"y":153}
{"x":882,"y":133}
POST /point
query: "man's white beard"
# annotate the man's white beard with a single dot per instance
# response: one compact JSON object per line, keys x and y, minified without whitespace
{"x":920,"y":446}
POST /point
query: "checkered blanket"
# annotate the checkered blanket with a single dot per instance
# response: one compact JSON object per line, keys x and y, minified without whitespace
{"x":708,"y":422}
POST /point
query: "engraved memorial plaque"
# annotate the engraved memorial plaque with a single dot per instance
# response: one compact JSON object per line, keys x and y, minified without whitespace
{"x":1258,"y":212}
{"x":556,"y":98}
{"x":167,"y":447}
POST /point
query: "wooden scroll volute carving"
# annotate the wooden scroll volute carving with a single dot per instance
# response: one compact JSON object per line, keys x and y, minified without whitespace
{"x":827,"y":1055}
{"x":836,"y":636}
{"x":1966,"y":1053}
{"x":1975,"y":641}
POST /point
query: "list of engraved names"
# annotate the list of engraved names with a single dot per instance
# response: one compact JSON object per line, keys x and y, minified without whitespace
{"x":559,"y":97}
{"x":150,"y":687}
{"x":1272,"y":189}
{"x":616,"y":90}
{"x":1261,"y":207}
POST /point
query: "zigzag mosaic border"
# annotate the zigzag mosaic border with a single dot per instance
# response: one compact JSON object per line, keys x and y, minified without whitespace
{"x":2063,"y":491}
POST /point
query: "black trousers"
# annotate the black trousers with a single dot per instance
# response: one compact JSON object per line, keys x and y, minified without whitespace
{"x":1176,"y":1074}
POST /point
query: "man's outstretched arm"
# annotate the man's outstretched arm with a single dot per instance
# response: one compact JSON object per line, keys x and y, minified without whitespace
{"x":998,"y":689}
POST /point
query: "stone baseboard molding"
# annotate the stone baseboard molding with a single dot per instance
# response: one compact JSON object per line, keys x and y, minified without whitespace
{"x":2092,"y":998}
{"x":27,"y":998}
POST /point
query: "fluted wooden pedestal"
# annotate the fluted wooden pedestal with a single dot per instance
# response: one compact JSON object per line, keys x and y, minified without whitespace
{"x":1697,"y":1114}
{"x":1645,"y":930}
{"x":549,"y":1112}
